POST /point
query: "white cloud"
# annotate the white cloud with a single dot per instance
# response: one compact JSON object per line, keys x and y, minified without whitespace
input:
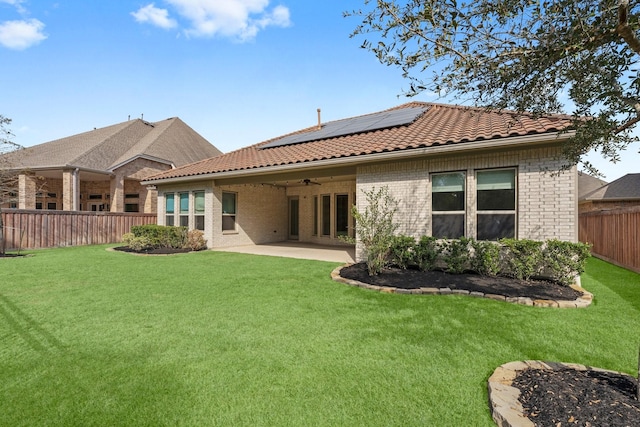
{"x":155,"y":16}
{"x":17,"y":4}
{"x":20,"y":35}
{"x":241,"y":19}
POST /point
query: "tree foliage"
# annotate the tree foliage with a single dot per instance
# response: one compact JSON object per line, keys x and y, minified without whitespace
{"x":8,"y":177}
{"x":523,"y":55}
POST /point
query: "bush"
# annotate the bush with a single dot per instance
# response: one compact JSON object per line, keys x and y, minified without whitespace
{"x":402,"y":251}
{"x":195,"y":240}
{"x":486,"y":257}
{"x":139,"y":243}
{"x":523,"y":257}
{"x":426,"y":252}
{"x":456,"y":255}
{"x":160,"y":236}
{"x":565,"y":260}
{"x":375,"y":228}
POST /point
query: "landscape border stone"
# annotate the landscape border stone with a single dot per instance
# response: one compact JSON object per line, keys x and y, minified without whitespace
{"x":581,"y":302}
{"x":506,"y":409}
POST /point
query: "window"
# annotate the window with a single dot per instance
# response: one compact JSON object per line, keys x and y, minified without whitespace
{"x":448,"y":205}
{"x":342,"y":214}
{"x":38,"y":205}
{"x":95,"y":196}
{"x":326,"y":215}
{"x":315,"y":215}
{"x":184,"y":209}
{"x":131,"y":196}
{"x":131,"y":207}
{"x":52,"y":195}
{"x":199,"y":210}
{"x":51,"y":206}
{"x":169,"y":209}
{"x":229,"y":211}
{"x":496,"y":204}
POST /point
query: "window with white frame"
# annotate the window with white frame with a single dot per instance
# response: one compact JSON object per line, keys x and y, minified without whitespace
{"x":199,"y":210}
{"x":325,"y":215}
{"x":315,"y":215}
{"x":448,"y":205}
{"x":229,"y":208}
{"x":184,"y":209}
{"x":496,"y":204}
{"x":169,"y":209}
{"x":342,"y":214}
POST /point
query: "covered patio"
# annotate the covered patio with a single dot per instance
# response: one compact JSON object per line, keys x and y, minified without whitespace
{"x":291,"y":249}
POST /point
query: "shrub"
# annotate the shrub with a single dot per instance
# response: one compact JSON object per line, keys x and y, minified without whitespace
{"x":195,"y":240}
{"x":402,"y":251}
{"x":426,"y":252}
{"x":139,"y":243}
{"x":523,"y":257}
{"x":456,"y":255}
{"x":127,"y":237}
{"x":375,"y":228}
{"x":565,"y":260}
{"x":486,"y":257}
{"x":160,"y":236}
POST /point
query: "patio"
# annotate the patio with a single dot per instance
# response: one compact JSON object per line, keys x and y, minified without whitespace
{"x":299,"y":250}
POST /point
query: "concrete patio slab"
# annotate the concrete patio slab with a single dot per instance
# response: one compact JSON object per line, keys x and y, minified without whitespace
{"x":299,"y":250}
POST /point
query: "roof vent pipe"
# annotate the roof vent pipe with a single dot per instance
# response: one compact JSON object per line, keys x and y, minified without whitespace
{"x":319,"y":120}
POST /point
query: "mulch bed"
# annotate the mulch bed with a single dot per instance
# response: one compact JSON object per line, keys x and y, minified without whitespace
{"x":413,"y":279}
{"x":11,"y":255}
{"x":568,"y":397}
{"x":156,"y":251}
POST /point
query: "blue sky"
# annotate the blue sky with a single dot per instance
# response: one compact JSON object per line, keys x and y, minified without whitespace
{"x":236,"y":71}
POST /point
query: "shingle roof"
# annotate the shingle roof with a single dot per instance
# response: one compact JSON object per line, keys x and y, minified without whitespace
{"x":588,"y":184}
{"x":440,"y":125}
{"x":626,"y":187}
{"x":102,"y":149}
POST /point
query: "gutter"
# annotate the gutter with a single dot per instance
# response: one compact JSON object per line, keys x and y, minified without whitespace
{"x":369,"y":158}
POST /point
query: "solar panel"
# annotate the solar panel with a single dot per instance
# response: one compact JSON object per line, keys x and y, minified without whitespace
{"x":355,"y":125}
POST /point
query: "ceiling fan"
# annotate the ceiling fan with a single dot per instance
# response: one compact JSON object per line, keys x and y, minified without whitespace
{"x":307,"y":181}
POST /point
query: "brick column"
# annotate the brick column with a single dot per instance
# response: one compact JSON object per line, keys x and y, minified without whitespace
{"x":70,"y":190}
{"x":148,"y":199}
{"x":117,"y":193}
{"x":26,"y":191}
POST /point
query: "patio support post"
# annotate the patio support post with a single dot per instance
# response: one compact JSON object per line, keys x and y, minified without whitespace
{"x":26,"y":191}
{"x":70,"y":189}
{"x":117,"y":193}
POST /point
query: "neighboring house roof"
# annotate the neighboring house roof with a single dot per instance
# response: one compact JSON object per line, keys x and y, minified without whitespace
{"x":624,"y":188}
{"x":436,"y":125}
{"x":168,"y":141}
{"x":588,"y":184}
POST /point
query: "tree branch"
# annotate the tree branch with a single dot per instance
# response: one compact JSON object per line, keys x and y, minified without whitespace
{"x":623,"y":29}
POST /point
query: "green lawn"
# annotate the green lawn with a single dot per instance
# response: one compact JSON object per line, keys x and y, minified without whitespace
{"x":91,"y":337}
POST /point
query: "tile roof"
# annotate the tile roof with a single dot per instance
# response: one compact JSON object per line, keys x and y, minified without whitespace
{"x":626,"y":187}
{"x":440,"y":125}
{"x":102,"y":149}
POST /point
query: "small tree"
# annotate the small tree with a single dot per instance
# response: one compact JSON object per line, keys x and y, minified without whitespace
{"x":375,"y":228}
{"x":8,"y":177}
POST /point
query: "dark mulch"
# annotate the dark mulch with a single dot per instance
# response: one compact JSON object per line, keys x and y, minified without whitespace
{"x":412,"y":279}
{"x":568,"y":397}
{"x":11,"y":255}
{"x":156,"y":251}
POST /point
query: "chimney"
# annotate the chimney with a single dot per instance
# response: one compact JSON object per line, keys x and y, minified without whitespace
{"x":319,"y":120}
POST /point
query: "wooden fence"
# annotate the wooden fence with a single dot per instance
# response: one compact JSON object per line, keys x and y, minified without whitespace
{"x":32,"y":229}
{"x":614,"y":235}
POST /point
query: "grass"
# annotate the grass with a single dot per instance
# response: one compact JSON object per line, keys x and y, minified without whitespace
{"x":90,"y":337}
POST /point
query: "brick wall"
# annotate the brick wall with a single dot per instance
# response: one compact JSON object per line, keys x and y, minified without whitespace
{"x":546,"y":196}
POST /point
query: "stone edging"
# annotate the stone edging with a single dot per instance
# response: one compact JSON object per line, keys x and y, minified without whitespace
{"x":506,"y":409}
{"x":581,"y":302}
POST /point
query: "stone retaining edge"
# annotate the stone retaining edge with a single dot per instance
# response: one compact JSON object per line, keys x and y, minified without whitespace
{"x":582,"y":301}
{"x":506,"y":409}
